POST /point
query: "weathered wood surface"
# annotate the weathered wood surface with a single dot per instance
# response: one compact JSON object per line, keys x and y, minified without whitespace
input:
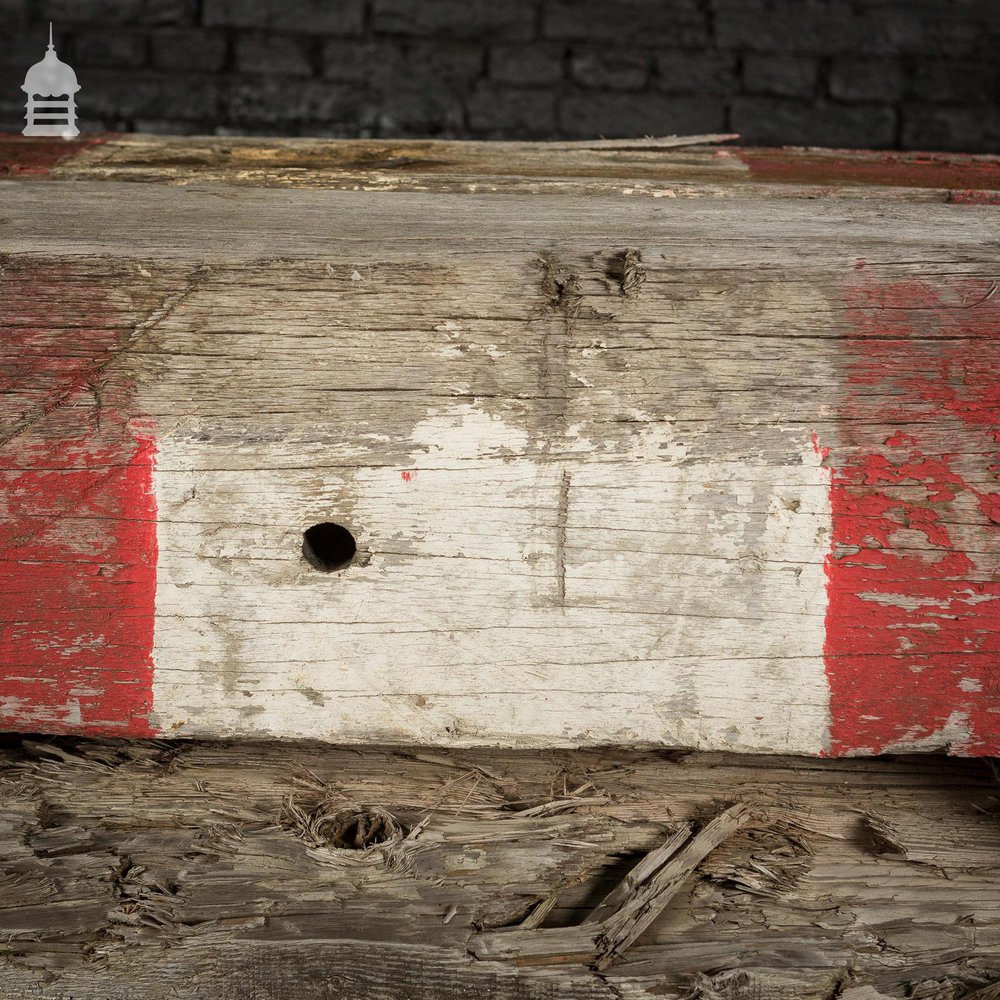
{"x":660,"y":168}
{"x":160,"y":870}
{"x":716,"y":472}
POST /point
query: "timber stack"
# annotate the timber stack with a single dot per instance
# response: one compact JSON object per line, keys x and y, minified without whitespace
{"x":607,"y":533}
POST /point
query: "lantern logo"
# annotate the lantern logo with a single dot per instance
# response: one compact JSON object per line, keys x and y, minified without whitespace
{"x":51,"y":88}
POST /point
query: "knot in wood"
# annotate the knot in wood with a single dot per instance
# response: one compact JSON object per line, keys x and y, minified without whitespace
{"x":344,"y":825}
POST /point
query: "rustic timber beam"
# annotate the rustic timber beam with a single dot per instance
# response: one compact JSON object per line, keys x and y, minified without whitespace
{"x":463,"y":444}
{"x":676,"y":166}
{"x":233,"y":871}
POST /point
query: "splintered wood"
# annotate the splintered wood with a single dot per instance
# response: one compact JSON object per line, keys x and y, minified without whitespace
{"x":546,"y":465}
{"x":642,"y":895}
{"x":245,"y":871}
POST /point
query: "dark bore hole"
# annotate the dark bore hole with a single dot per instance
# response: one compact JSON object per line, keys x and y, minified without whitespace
{"x":328,"y":546}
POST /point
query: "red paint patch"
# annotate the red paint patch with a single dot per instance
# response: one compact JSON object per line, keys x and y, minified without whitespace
{"x":975,"y":197}
{"x":29,"y":156}
{"x":957,"y":173}
{"x":77,"y":516}
{"x":913,"y":621}
{"x":407,"y":476}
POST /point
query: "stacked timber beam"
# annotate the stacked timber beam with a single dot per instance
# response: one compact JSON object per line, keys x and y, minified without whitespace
{"x":235,"y":871}
{"x":621,"y":442}
{"x":660,"y":444}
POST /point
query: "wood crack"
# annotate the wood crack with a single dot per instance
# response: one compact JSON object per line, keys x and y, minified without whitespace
{"x":562,"y":513}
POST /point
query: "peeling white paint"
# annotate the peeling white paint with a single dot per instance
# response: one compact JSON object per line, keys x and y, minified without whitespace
{"x":952,"y":736}
{"x":457,"y":631}
{"x":909,"y":602}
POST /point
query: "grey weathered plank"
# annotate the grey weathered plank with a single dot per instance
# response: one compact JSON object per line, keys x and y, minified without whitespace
{"x":178,"y":869}
{"x":589,"y":509}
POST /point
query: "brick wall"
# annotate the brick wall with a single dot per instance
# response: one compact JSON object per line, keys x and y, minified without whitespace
{"x":865,"y":73}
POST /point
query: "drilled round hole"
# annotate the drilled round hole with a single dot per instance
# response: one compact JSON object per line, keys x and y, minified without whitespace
{"x":328,"y":546}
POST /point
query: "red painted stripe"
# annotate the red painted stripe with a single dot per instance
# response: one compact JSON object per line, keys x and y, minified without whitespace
{"x":31,"y":156}
{"x":836,"y":168}
{"x":974,"y":197}
{"x":913,"y":621}
{"x":77,"y":515}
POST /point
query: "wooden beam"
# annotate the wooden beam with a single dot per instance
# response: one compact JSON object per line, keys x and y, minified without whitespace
{"x":155,"y":869}
{"x":677,"y":166}
{"x":714,"y":472}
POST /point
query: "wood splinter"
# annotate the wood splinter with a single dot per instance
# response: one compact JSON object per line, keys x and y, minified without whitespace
{"x":639,"y":899}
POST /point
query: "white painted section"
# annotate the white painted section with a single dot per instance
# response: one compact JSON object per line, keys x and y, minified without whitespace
{"x":691,"y":614}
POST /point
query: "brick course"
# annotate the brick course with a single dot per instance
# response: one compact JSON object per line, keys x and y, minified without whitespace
{"x":189,"y":50}
{"x":864,"y":73}
{"x":857,"y":126}
{"x":601,"y":70}
{"x":780,"y":75}
{"x":533,"y":64}
{"x":866,"y":80}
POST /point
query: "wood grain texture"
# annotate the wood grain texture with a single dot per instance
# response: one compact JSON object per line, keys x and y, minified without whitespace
{"x":716,"y":472}
{"x":162,"y":869}
{"x":672,"y":167}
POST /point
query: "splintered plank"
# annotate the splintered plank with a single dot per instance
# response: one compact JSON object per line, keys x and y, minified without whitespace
{"x":158,"y":869}
{"x":715,"y":473}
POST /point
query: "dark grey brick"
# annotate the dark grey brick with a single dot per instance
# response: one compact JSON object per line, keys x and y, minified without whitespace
{"x":764,"y":122}
{"x":955,"y":129}
{"x":956,"y":82}
{"x":555,"y":67}
{"x":780,"y":75}
{"x":622,"y":115}
{"x":448,"y":61}
{"x":276,"y":101}
{"x":493,"y":20}
{"x":419,"y":87}
{"x":420,"y":112}
{"x":945,"y":35}
{"x":110,"y":49}
{"x":12,"y":98}
{"x":13,"y":14}
{"x":866,"y":80}
{"x":816,"y":29}
{"x":615,"y":70}
{"x":350,"y":60}
{"x":536,"y":64}
{"x":190,"y":50}
{"x":631,"y":22}
{"x":21,"y":49}
{"x":171,"y":126}
{"x":897,"y":29}
{"x":323,"y":17}
{"x":290,"y":128}
{"x":708,"y":74}
{"x":117,"y":13}
{"x":319,"y":130}
{"x":766,"y":27}
{"x":131,"y":95}
{"x":516,"y":112}
{"x":397,"y":65}
{"x":285,"y":55}
{"x":12,"y":111}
